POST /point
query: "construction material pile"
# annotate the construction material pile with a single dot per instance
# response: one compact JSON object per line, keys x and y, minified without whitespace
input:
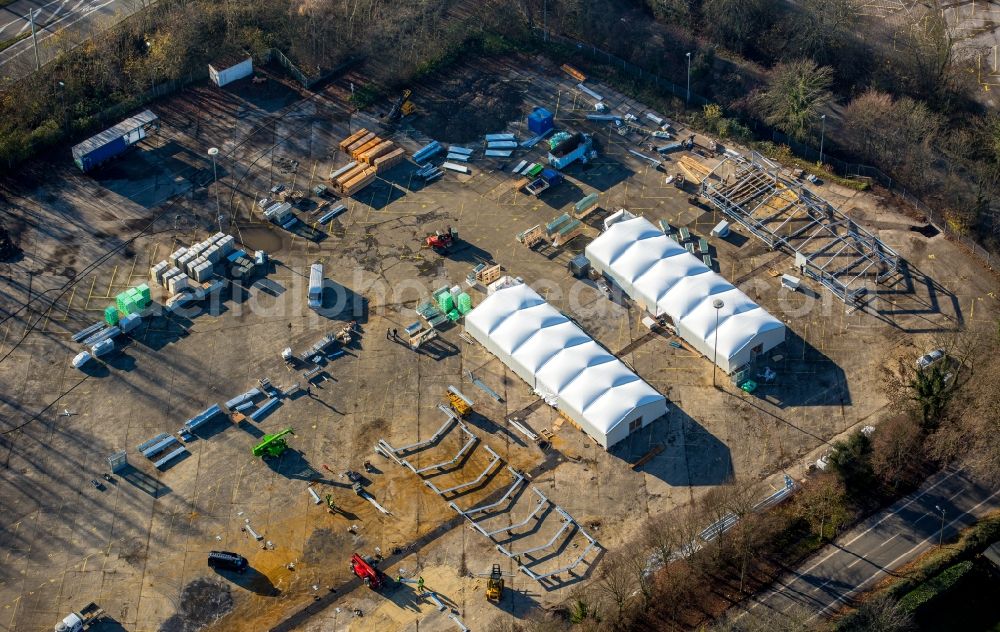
{"x":370,"y":156}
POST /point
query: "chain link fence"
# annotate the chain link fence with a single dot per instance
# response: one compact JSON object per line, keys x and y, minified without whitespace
{"x":806,"y":152}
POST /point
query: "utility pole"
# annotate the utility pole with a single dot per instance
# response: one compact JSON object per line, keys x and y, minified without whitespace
{"x":718,"y":305}
{"x":687,"y":101}
{"x":34,"y":38}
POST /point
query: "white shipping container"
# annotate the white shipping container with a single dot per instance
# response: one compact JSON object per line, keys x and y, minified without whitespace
{"x":227,"y":74}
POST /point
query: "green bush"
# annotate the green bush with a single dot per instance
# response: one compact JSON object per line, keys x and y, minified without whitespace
{"x":364,"y":96}
{"x":934,"y":587}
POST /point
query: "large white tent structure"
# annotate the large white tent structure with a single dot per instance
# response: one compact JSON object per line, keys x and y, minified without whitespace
{"x":665,"y":279}
{"x":564,"y":365}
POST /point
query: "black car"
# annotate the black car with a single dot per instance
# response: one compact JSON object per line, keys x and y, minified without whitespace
{"x":224,"y":560}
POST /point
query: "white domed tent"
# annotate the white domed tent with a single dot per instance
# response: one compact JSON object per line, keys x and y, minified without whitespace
{"x":664,"y":278}
{"x":564,"y":365}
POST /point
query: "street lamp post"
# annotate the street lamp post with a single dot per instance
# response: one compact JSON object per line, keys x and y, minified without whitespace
{"x":687,"y":101}
{"x":941,"y":531}
{"x":213,"y":152}
{"x":718,"y":305}
{"x":822,"y":137}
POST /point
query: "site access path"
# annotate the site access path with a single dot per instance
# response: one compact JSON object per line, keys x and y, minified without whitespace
{"x":887,"y":540}
{"x":77,"y":19}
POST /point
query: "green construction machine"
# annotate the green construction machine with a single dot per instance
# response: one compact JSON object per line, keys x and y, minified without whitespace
{"x":273,"y":445}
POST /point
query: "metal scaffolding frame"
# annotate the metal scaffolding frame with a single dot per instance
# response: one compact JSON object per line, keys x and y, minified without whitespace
{"x":828,"y":246}
{"x":474,"y":514}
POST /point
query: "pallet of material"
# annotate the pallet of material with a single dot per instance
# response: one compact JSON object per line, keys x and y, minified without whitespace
{"x":359,"y":142}
{"x":339,"y":172}
{"x":493,"y":138}
{"x":573,"y":72}
{"x":378,"y":150}
{"x":453,"y":167}
{"x":520,"y":165}
{"x":389,"y":160}
{"x":333,"y":213}
{"x":457,"y":157}
{"x":501,"y":144}
{"x":360,"y":182}
{"x":498,"y":153}
{"x":347,"y":176}
{"x":350,"y":140}
{"x":455,"y":149}
{"x":694,"y":170}
{"x":372,"y":144}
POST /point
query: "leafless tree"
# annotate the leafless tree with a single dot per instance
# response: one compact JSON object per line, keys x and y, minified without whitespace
{"x":878,"y":614}
{"x":618,"y":583}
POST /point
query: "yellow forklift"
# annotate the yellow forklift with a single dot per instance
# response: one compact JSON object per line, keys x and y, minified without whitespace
{"x":494,"y":585}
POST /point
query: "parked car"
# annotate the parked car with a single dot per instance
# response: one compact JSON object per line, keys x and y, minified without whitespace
{"x":930,"y":358}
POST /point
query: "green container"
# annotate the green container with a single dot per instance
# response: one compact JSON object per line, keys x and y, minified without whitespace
{"x":130,"y":307}
{"x":446,"y":302}
{"x":111,"y":315}
{"x":453,"y":315}
{"x":464,"y":303}
{"x":143,"y":290}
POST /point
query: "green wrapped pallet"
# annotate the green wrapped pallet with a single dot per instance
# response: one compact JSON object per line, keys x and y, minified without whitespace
{"x":143,"y":290}
{"x":453,"y":315}
{"x":111,"y":315}
{"x":129,"y":306}
{"x":464,"y":303}
{"x":446,"y":302}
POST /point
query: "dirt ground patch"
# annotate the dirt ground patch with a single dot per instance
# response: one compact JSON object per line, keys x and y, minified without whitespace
{"x":466,"y":107}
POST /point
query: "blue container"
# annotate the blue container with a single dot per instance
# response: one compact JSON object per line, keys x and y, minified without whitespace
{"x":552,"y":177}
{"x":540,"y":121}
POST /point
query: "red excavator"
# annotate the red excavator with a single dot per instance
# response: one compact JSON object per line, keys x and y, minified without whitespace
{"x":364,"y":569}
{"x":442,"y":242}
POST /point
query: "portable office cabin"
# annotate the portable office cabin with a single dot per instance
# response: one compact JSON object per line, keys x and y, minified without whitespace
{"x":229,"y":69}
{"x":562,"y":363}
{"x":113,"y":141}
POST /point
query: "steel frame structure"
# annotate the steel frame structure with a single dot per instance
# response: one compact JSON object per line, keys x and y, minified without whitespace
{"x":474,"y":515}
{"x":828,"y":246}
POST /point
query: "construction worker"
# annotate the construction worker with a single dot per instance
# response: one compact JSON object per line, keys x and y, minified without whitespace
{"x":420,"y":584}
{"x":395,"y":336}
{"x":388,"y":333}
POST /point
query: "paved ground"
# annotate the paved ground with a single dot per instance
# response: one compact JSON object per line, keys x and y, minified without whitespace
{"x":884,"y":542}
{"x":76,"y":20}
{"x":138,"y":549}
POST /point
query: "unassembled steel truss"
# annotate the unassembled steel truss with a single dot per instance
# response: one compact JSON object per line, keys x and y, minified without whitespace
{"x":828,"y":246}
{"x":501,"y":536}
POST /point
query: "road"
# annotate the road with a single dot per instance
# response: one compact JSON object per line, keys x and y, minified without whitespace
{"x":858,"y":559}
{"x":79,"y":19}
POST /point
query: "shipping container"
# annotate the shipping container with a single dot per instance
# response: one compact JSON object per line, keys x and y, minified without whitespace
{"x":113,"y":141}
{"x":230,"y":69}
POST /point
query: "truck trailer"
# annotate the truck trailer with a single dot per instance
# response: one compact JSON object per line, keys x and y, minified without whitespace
{"x":113,"y":142}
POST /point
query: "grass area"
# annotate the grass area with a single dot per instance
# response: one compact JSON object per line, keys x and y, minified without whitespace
{"x":10,"y":41}
{"x":969,"y":605}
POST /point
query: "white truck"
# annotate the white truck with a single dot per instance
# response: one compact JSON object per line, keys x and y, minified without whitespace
{"x":81,"y":620}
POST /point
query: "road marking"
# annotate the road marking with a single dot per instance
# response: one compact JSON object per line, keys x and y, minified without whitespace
{"x":895,"y":535}
{"x":799,"y":574}
{"x":49,"y":33}
{"x":893,"y":563}
{"x":869,"y":529}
